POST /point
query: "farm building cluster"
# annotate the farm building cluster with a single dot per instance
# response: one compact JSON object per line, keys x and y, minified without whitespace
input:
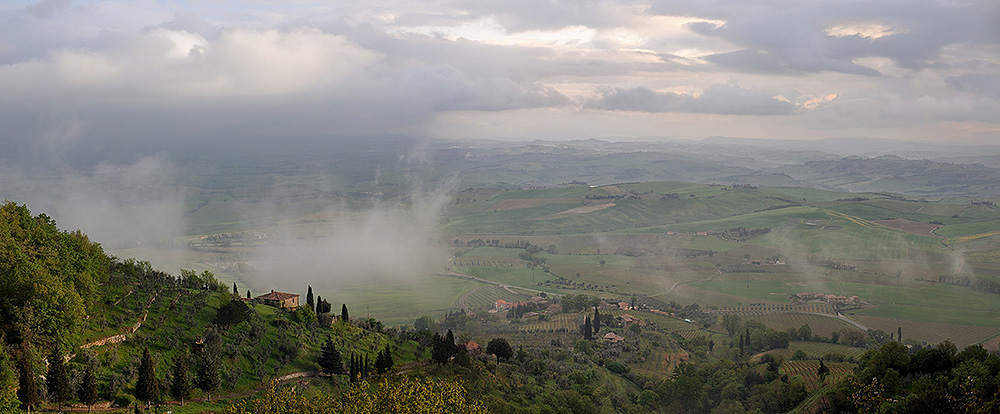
{"x":280,"y":300}
{"x":826,"y":298}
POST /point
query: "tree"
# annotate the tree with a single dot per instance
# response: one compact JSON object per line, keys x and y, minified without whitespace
{"x":27,"y":391}
{"x":423,"y":323}
{"x":440,"y":351}
{"x":8,"y":384}
{"x":823,"y":370}
{"x":501,"y":348}
{"x":805,"y":332}
{"x":236,"y":292}
{"x":88,"y":388}
{"x":248,"y":293}
{"x":208,"y":372}
{"x":146,"y":387}
{"x":383,"y":362}
{"x":588,"y":332}
{"x":329,"y":359}
{"x":309,"y":298}
{"x":322,"y":306}
{"x":56,"y":380}
{"x":597,"y":320}
{"x":232,"y":313}
{"x":180,"y":387}
{"x":343,"y":313}
{"x":732,"y":323}
{"x":449,"y":342}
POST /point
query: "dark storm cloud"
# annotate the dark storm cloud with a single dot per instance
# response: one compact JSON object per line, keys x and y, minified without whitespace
{"x":718,"y":99}
{"x":783,"y":36}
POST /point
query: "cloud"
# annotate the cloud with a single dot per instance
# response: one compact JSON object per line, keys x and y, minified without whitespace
{"x":717,"y":99}
{"x":46,"y":8}
{"x":781,"y":36}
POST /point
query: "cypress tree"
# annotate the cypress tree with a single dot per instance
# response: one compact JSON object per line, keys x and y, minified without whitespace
{"x":588,"y":332}
{"x":449,"y":342}
{"x":88,"y":388}
{"x":597,"y":320}
{"x":823,"y":371}
{"x":208,"y":372}
{"x":309,"y":299}
{"x":343,"y":313}
{"x":56,"y":380}
{"x":741,"y":343}
{"x":146,"y":388}
{"x":329,"y":359}
{"x":899,"y":335}
{"x":180,"y":388}
{"x":27,"y":391}
{"x":236,"y":292}
{"x":748,"y":338}
{"x":248,"y":293}
{"x":440,"y":351}
{"x":8,"y":383}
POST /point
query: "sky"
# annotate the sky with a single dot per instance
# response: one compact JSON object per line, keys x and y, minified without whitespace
{"x":75,"y":72}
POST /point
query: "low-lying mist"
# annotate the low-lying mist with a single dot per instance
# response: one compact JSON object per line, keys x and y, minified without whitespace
{"x":341,"y":247}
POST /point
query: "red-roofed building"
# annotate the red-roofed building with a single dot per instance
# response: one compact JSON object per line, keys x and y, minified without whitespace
{"x":280,"y":300}
{"x":472,"y":348}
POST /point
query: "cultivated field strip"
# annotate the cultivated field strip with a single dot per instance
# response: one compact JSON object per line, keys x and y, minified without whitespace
{"x":486,"y":297}
{"x":932,"y":333}
{"x":783,"y":321}
{"x":808,"y":371}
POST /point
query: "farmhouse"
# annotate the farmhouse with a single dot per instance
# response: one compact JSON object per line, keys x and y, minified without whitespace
{"x":613,"y":338}
{"x":280,"y":300}
{"x":628,"y":320}
{"x":471,"y":347}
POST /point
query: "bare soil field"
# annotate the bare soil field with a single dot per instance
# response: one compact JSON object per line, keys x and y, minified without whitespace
{"x":587,"y":209}
{"x":519,"y":203}
{"x":910,"y":226}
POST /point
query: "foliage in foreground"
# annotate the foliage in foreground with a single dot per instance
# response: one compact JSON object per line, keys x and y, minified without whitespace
{"x":397,"y":395}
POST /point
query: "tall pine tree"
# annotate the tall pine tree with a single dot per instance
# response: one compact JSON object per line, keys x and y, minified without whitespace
{"x":344,"y":317}
{"x":588,"y":332}
{"x":309,"y":299}
{"x":88,"y":387}
{"x":56,"y":380}
{"x":329,"y":359}
{"x":146,"y":388}
{"x":27,"y":391}
{"x":236,"y":292}
{"x":449,"y":340}
{"x":208,"y":372}
{"x":180,"y":386}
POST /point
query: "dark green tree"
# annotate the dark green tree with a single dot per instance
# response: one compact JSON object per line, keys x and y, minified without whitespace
{"x":597,"y":320}
{"x":440,"y":351}
{"x":344,"y":317}
{"x":309,"y":299}
{"x":383,"y":362}
{"x":8,"y":383}
{"x":232,"y":313}
{"x":208,"y":372}
{"x":322,"y":306}
{"x":588,"y":331}
{"x":27,"y":391}
{"x":329,"y":359}
{"x":88,"y":387}
{"x":146,"y":387}
{"x":56,"y":379}
{"x":501,"y":348}
{"x":180,"y":386}
{"x":248,"y":293}
{"x":236,"y":292}
{"x":822,"y":371}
